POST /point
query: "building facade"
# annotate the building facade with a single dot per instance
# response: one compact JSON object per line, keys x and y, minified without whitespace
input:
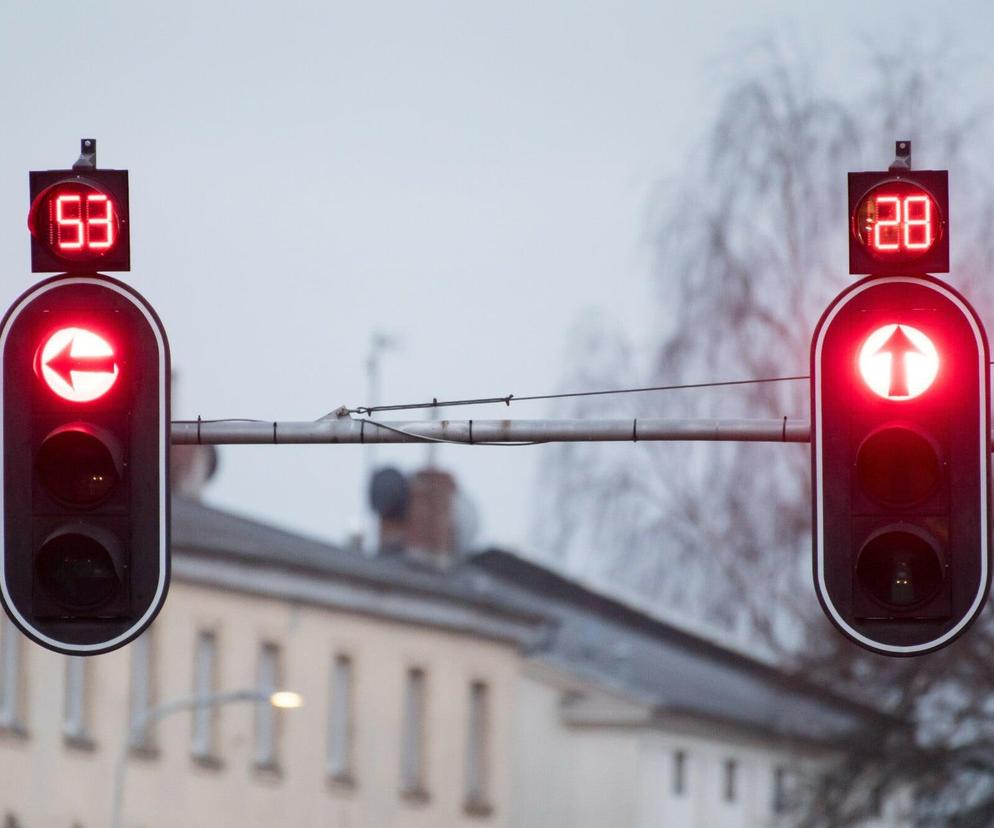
{"x":439,"y":690}
{"x":408,"y":687}
{"x":626,"y":720}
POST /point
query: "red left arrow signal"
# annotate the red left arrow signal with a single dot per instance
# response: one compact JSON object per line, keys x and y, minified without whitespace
{"x":64,"y":363}
{"x":78,"y":364}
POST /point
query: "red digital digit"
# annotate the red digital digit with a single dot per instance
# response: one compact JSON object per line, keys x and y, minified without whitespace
{"x":68,"y":222}
{"x":99,"y":228}
{"x":918,"y":229}
{"x":886,"y":231}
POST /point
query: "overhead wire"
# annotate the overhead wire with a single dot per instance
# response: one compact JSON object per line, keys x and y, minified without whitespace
{"x":506,"y":400}
{"x":509,"y":398}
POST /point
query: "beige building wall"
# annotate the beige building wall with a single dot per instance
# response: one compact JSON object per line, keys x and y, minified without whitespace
{"x":46,"y":782}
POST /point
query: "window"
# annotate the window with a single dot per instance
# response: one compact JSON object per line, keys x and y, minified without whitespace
{"x":340,"y":722}
{"x":679,"y":773}
{"x":203,"y":742}
{"x":141,"y":738}
{"x":780,"y":797}
{"x":76,"y":711}
{"x":412,"y":747}
{"x":12,"y":689}
{"x":478,"y":749}
{"x":731,"y":771}
{"x":876,"y":802}
{"x":266,"y":721}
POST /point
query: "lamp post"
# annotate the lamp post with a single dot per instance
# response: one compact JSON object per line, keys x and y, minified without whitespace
{"x":284,"y":699}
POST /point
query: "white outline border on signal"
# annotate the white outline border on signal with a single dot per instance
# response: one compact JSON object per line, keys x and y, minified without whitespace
{"x":163,"y":494}
{"x":819,"y":482}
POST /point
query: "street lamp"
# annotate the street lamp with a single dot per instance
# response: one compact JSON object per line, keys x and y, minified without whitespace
{"x":283,"y":699}
{"x":286,"y":700}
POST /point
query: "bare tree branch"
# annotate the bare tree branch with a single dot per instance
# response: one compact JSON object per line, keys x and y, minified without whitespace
{"x":749,"y":250}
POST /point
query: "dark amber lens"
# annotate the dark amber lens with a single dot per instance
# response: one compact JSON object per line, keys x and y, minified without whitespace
{"x":77,"y":468}
{"x":77,"y":571}
{"x":899,"y":569}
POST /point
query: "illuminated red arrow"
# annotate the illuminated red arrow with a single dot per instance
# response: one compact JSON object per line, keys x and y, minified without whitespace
{"x":64,"y":363}
{"x":898,"y":346}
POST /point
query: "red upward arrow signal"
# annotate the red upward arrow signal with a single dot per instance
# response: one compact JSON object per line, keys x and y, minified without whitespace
{"x":64,"y":363}
{"x":898,"y":345}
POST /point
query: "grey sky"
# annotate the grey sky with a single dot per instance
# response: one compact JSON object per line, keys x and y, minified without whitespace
{"x":468,"y":177}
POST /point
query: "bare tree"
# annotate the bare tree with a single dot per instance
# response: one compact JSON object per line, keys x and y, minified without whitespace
{"x":749,"y":250}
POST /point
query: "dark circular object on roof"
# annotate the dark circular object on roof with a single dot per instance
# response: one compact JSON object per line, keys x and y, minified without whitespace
{"x":389,"y":493}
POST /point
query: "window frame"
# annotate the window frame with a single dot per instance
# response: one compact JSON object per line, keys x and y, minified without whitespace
{"x":268,"y":722}
{"x":341,"y":733}
{"x":76,"y":703}
{"x":204,"y":735}
{"x":414,"y":736}
{"x":13,"y":680}
{"x":479,"y":750}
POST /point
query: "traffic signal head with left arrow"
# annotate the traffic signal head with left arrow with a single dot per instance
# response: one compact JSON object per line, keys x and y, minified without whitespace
{"x":84,"y":394}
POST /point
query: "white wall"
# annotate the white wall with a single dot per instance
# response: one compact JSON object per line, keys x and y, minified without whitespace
{"x":703,"y":799}
{"x":617,"y":768}
{"x":564,"y":778}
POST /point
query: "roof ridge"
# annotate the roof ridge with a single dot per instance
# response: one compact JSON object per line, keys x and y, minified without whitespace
{"x":502,"y":564}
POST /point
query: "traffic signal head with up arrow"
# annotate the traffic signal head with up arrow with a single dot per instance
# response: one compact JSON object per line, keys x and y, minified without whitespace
{"x":901,"y":463}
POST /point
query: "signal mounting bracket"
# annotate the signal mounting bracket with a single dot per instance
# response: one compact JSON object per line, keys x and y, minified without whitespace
{"x":902,"y":157}
{"x":87,"y":154}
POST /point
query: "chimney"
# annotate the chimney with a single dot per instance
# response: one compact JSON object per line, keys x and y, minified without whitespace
{"x":417,"y":514}
{"x":431,"y":529}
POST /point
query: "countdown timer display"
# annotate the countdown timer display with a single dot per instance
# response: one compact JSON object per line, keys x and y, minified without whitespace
{"x":79,"y":221}
{"x":899,"y":222}
{"x":76,"y":221}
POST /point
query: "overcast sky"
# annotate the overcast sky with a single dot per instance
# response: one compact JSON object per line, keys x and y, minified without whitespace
{"x":466,"y":177}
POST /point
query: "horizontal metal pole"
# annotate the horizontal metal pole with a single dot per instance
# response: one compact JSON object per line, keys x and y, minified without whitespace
{"x":472,"y":432}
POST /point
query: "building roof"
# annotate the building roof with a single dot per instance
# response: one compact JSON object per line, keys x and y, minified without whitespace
{"x":676,"y":672}
{"x":230,"y":551}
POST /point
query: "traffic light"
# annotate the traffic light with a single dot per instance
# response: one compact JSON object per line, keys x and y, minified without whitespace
{"x":79,"y":218}
{"x":85,"y":442}
{"x":900,"y":438}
